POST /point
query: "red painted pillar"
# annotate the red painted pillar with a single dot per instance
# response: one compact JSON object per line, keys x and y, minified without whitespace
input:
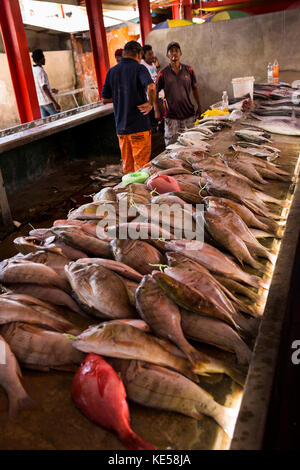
{"x":145,"y":19}
{"x":187,"y":9}
{"x":15,"y":43}
{"x":98,"y":41}
{"x":176,"y":10}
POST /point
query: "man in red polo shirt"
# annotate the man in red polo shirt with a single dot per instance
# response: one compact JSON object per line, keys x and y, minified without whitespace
{"x":178,"y":81}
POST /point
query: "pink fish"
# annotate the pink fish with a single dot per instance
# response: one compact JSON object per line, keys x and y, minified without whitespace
{"x":100,"y":394}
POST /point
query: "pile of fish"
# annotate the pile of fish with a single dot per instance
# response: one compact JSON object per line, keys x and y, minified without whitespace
{"x":197,"y":136}
{"x":279,"y":112}
{"x":162,"y":311}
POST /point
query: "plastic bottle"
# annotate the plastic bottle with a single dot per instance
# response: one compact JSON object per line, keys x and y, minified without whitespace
{"x":270,"y":73}
{"x":275,"y":71}
{"x":224,"y":100}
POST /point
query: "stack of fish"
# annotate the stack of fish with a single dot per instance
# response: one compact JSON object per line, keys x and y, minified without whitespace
{"x":197,"y":136}
{"x":279,"y":112}
{"x":166,"y":310}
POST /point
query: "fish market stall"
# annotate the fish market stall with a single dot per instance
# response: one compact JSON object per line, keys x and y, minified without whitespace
{"x":174,"y":323}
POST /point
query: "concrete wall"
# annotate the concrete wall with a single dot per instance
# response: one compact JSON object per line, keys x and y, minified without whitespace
{"x":60,"y":69}
{"x":226,"y":49}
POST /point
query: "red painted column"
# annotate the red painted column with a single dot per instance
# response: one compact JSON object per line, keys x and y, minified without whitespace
{"x":176,"y":10}
{"x":98,"y":41}
{"x":145,"y":18}
{"x":187,"y":9}
{"x":15,"y":43}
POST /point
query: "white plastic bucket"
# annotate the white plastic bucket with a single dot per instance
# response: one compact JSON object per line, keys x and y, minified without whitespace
{"x":242,"y":86}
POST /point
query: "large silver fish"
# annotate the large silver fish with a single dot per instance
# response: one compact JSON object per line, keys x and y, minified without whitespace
{"x":215,"y":332}
{"x":77,"y":238}
{"x":278,"y":126}
{"x":40,"y":349}
{"x":137,"y":254}
{"x":158,"y":387}
{"x":24,"y":308}
{"x":128,"y":342}
{"x":163,"y":315}
{"x":99,"y":291}
{"x":22,"y":271}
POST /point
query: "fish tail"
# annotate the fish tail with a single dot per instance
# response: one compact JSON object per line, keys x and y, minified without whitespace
{"x":194,"y":356}
{"x":253,"y":207}
{"x":257,"y":233}
{"x":251,"y":279}
{"x":243,"y":354}
{"x":252,"y":262}
{"x":238,"y":373}
{"x":185,"y":368}
{"x":133,"y":442}
{"x":267,"y":198}
{"x":20,"y":403}
{"x":271,"y":257}
{"x":242,"y":307}
{"x":226,"y":418}
{"x":207,"y":368}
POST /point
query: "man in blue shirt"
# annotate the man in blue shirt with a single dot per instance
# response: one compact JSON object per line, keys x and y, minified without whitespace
{"x":127,"y":85}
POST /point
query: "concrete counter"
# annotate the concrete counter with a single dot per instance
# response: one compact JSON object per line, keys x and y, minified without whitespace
{"x":30,"y":132}
{"x":32,"y":150}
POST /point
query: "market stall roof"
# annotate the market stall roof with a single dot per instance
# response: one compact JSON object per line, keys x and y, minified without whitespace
{"x":109,"y":4}
{"x":68,"y":18}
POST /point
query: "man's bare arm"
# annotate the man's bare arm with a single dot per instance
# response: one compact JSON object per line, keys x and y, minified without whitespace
{"x":197,"y":98}
{"x":49,"y":95}
{"x":145,"y":108}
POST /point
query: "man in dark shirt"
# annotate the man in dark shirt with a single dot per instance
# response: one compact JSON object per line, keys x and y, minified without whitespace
{"x":127,"y":85}
{"x":178,"y":81}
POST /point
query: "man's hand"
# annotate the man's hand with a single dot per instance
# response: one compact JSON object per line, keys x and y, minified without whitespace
{"x":55,"y":91}
{"x":156,"y":63}
{"x":145,"y":108}
{"x":56,"y":106}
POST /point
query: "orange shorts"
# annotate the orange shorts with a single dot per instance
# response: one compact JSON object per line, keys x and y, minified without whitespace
{"x":135,"y":150}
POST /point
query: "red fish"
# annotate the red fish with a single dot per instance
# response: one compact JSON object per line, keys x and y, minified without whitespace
{"x":100,"y":394}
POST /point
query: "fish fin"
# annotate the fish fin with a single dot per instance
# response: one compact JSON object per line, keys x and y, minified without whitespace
{"x":17,"y":404}
{"x":257,"y":233}
{"x":198,"y":371}
{"x":103,"y":378}
{"x":227,"y":419}
{"x":133,"y":442}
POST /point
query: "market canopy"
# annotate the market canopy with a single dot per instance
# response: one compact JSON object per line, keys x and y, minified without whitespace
{"x":172,"y":24}
{"x":227,"y":15}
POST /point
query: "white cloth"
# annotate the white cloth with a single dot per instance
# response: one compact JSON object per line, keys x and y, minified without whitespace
{"x":41,"y":79}
{"x":154,"y":74}
{"x":151,"y":69}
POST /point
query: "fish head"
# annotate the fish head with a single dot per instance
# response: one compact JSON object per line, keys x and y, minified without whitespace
{"x":175,"y":258}
{"x":211,"y":202}
{"x":89,"y":339}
